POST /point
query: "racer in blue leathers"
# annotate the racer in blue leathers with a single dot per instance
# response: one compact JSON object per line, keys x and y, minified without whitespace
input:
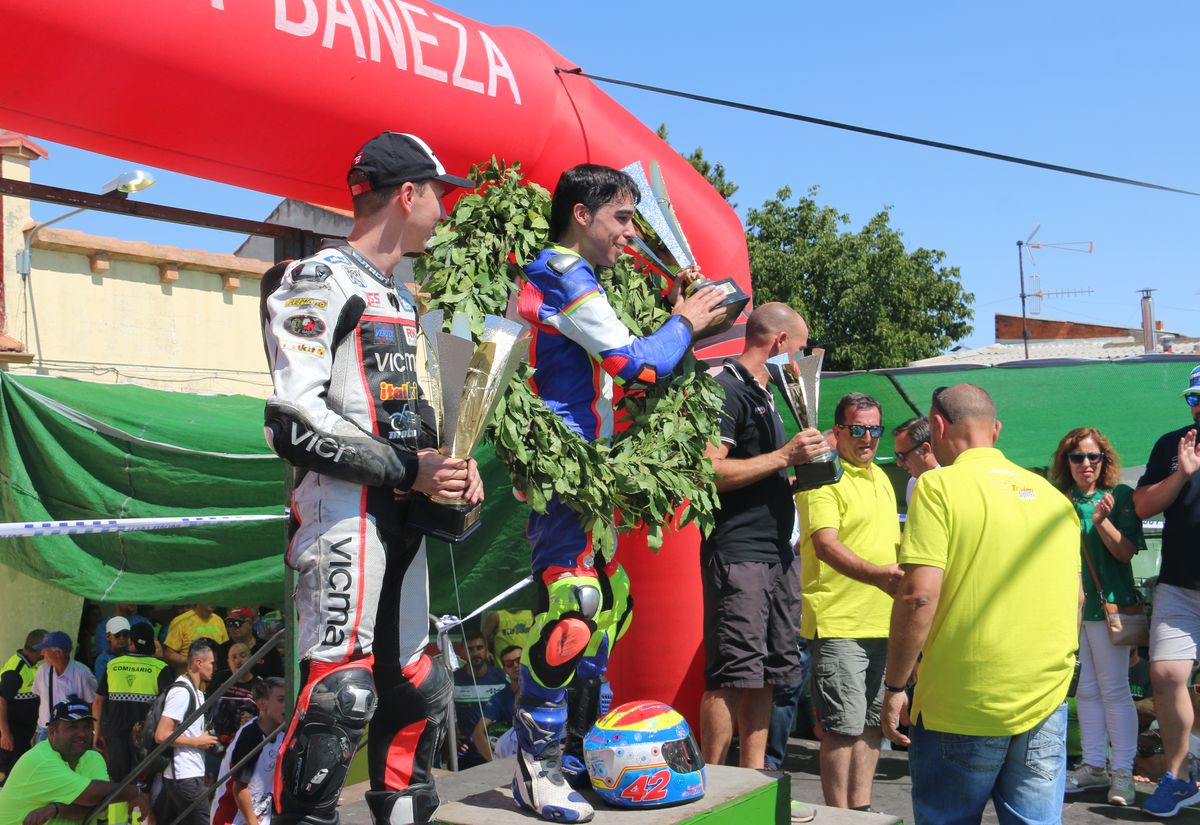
{"x":580,"y":347}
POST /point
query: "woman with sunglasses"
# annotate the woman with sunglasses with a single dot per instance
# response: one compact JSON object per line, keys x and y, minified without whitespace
{"x":1086,"y":467}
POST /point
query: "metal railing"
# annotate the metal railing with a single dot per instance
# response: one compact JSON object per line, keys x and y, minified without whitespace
{"x":446,"y":624}
{"x":232,"y":770}
{"x":180,"y":728}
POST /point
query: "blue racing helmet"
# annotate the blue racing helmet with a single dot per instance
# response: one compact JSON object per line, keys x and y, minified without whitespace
{"x":643,"y":755}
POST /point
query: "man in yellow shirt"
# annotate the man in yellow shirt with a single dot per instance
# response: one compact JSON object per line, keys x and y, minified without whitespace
{"x":849,"y":535}
{"x":187,"y":627}
{"x":990,"y":597}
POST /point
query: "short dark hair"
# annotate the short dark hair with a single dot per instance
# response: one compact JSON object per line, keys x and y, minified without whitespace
{"x":35,"y":637}
{"x":509,"y":650}
{"x":917,"y":429}
{"x":856,"y":401}
{"x":263,"y":687}
{"x":593,"y":186}
{"x":199,"y":647}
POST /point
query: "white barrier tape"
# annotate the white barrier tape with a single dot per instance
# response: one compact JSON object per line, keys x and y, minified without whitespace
{"x":28,"y":529}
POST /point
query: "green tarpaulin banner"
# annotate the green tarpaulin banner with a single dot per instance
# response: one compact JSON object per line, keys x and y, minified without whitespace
{"x":81,"y":450}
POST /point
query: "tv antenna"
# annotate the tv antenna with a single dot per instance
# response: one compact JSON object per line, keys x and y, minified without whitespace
{"x":1026,"y":247}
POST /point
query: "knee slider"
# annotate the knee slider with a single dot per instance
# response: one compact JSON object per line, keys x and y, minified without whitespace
{"x":589,"y":600}
{"x":317,"y":755}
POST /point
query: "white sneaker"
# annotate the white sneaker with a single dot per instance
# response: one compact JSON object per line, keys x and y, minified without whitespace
{"x":1086,"y":777}
{"x":1121,"y":790}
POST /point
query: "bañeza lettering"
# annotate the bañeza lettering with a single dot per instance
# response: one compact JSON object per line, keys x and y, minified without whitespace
{"x":406,"y":29}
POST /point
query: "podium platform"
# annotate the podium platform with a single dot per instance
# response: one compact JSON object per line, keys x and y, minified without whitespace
{"x":483,"y":796}
{"x":735,"y":796}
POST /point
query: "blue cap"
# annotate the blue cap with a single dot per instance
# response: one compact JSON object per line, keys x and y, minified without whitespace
{"x":57,"y":639}
{"x":1193,"y":383}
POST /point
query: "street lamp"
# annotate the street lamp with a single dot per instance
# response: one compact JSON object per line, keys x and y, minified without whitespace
{"x":119,"y":187}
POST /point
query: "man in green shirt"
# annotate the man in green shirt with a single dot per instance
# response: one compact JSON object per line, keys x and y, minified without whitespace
{"x":61,"y":779}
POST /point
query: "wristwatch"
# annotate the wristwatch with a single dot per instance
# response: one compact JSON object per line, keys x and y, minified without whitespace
{"x":894,"y":689}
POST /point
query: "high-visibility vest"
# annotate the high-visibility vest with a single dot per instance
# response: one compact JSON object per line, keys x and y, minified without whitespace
{"x":27,"y":670}
{"x":133,"y":678}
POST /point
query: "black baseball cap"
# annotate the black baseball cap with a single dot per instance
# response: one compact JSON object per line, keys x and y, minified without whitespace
{"x":393,"y":158}
{"x":141,"y":636}
{"x":72,"y":710}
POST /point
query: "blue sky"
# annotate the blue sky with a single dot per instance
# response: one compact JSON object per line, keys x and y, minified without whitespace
{"x":1102,"y":86}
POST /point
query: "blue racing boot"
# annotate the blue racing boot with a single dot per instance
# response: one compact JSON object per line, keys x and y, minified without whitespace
{"x":539,"y":784}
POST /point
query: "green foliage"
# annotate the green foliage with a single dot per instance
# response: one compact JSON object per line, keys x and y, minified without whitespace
{"x":867,"y":299}
{"x":468,"y":267}
{"x":714,"y":173}
{"x":648,"y":469}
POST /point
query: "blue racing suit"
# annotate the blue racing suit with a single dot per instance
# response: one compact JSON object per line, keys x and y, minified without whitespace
{"x":579,"y":348}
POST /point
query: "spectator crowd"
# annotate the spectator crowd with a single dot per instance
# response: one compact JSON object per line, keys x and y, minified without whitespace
{"x":73,"y":730}
{"x":959,"y":634}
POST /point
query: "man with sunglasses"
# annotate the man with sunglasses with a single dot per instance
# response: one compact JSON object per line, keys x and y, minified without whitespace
{"x":849,"y":537}
{"x":1171,"y":486}
{"x":116,"y":637}
{"x":499,"y":707}
{"x":913,"y":451}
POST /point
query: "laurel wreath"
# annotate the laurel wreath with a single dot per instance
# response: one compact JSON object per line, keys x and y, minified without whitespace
{"x":640,"y":478}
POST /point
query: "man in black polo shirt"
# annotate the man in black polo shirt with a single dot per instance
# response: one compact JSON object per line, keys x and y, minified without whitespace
{"x":1171,"y":486}
{"x":751,"y":575}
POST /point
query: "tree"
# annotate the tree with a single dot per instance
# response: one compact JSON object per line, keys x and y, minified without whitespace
{"x":714,"y":173}
{"x":868,"y":301}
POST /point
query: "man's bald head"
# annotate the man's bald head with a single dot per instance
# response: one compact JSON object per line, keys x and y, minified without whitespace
{"x":768,"y":320}
{"x":961,"y":417}
{"x":964,"y":401}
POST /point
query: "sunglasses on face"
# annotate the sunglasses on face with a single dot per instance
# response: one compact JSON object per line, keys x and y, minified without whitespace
{"x":235,"y":622}
{"x":1077,"y":458}
{"x":937,"y":404}
{"x":904,"y":455}
{"x":859,"y":430}
{"x":1192,"y":400}
{"x":120,"y":633}
{"x":512,"y":662}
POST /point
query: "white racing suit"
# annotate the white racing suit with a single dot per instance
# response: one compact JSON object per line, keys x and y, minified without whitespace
{"x":347,"y":413}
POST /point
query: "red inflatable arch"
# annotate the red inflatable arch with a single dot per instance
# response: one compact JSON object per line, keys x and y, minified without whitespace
{"x":275,"y":95}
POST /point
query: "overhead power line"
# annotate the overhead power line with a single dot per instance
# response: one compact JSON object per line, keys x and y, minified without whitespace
{"x":864,"y":130}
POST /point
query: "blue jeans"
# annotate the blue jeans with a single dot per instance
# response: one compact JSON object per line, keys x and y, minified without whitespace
{"x":954,"y":775}
{"x":783,"y":712}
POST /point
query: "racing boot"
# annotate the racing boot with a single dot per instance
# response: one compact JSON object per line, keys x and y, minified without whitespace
{"x":539,"y":784}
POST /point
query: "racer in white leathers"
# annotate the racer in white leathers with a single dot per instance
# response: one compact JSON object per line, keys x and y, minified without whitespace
{"x":347,"y":412}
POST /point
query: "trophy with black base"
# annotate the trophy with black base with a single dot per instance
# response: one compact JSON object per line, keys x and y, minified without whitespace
{"x":658,"y":221}
{"x":464,"y":382}
{"x":799,"y":382}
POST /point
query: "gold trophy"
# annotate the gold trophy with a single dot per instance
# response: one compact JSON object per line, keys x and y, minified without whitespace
{"x":658,"y":221}
{"x":799,"y":381}
{"x":464,"y":383}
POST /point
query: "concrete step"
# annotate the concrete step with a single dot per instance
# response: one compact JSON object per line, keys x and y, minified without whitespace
{"x":734,"y":796}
